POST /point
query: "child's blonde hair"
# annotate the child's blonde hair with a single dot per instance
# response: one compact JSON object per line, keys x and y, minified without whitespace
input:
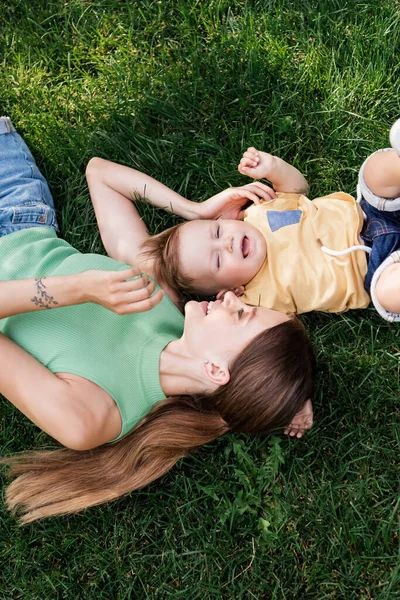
{"x":163,"y":250}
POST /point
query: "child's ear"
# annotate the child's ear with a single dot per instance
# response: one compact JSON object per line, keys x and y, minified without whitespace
{"x":238,"y":291}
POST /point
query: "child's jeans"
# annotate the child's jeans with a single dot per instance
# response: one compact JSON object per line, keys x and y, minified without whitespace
{"x":25,"y":198}
{"x":381,"y":232}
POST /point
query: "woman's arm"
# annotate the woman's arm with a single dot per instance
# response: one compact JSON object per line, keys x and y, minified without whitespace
{"x":74,"y":411}
{"x":113,"y":189}
{"x":120,"y":291}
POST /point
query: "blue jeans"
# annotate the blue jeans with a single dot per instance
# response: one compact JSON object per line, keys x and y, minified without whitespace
{"x":25,"y":198}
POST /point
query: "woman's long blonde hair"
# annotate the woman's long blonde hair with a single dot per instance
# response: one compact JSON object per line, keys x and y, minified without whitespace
{"x":270,"y":381}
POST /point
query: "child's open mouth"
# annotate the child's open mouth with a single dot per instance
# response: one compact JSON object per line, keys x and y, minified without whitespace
{"x":245,"y":246}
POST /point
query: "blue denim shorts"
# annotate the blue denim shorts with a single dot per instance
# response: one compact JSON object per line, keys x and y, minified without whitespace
{"x":25,"y":198}
{"x":381,"y":233}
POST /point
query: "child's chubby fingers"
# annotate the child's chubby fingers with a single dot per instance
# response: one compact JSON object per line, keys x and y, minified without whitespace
{"x":252,"y":159}
{"x":246,"y":166}
{"x":252,"y":154}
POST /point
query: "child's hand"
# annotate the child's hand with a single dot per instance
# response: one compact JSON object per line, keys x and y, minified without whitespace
{"x":256,"y":164}
{"x":229,"y":203}
{"x":302,"y":421}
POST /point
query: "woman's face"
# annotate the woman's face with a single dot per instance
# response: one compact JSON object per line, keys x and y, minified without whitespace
{"x":220,"y":330}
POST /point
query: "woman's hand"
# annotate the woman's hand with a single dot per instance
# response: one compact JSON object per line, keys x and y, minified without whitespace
{"x":229,"y":203}
{"x":123,"y":292}
{"x":302,"y":421}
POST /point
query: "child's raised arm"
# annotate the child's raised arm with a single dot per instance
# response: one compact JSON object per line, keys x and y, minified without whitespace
{"x":284,"y":177}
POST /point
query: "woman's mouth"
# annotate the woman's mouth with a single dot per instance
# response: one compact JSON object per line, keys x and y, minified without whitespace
{"x":206,"y":306}
{"x":245,"y":246}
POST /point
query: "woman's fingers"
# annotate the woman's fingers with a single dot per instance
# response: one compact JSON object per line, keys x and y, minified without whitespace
{"x":269,"y":193}
{"x":302,"y":421}
{"x":138,"y":300}
{"x":258,"y":192}
{"x":141,"y":293}
{"x":136,"y":283}
{"x":294,"y":432}
{"x":251,"y":196}
{"x":137,"y":295}
{"x":123,"y":292}
{"x":127,"y":273}
{"x":146,"y":304}
{"x":263,"y":191}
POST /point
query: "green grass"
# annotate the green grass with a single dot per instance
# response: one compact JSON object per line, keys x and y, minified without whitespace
{"x":179,"y":89}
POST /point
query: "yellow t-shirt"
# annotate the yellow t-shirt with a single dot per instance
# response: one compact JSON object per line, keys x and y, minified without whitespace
{"x":297,"y":276}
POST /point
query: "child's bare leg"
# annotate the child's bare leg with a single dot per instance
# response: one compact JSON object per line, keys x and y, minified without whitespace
{"x":388,"y":288}
{"x":382,"y":174}
{"x":283,"y":176}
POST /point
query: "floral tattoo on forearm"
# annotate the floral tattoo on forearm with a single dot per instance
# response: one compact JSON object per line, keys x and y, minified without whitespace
{"x":43,"y":299}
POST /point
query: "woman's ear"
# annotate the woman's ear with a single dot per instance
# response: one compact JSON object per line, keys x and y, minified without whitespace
{"x":219,"y":375}
{"x":238,"y":291}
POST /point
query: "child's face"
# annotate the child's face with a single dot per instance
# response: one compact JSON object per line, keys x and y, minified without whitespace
{"x":220,"y":255}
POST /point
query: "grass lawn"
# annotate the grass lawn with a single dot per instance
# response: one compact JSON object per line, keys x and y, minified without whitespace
{"x":178,"y":89}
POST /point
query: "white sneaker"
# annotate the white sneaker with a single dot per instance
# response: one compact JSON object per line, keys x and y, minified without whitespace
{"x":394,"y":136}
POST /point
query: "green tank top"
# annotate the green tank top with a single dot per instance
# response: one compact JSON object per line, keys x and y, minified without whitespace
{"x":121,"y":354}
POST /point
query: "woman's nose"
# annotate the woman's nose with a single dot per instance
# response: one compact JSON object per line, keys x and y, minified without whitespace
{"x":229,"y":299}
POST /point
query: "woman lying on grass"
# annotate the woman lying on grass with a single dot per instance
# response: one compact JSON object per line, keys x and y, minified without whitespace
{"x":94,"y":352}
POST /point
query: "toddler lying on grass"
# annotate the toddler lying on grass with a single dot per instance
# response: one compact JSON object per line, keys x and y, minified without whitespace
{"x":292,"y":254}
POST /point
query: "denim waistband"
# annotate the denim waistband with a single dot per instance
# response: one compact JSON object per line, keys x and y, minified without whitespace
{"x":5,"y":125}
